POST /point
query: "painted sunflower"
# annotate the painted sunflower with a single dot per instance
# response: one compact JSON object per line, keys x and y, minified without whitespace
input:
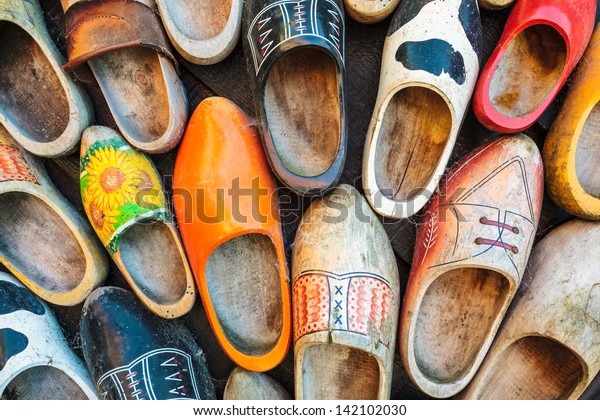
{"x":113,"y":178}
{"x":103,"y":220}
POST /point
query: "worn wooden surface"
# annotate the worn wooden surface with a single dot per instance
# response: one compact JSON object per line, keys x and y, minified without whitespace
{"x":229,"y":79}
{"x":461,"y":286}
{"x":203,"y":31}
{"x":351,"y":258}
{"x":540,"y":52}
{"x":572,"y":149}
{"x":548,"y":346}
{"x":246,"y":385}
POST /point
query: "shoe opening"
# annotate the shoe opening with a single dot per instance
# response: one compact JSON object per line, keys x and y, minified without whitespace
{"x":43,"y":383}
{"x":36,"y":241}
{"x":588,"y":154}
{"x":528,"y":71}
{"x":414,"y":132}
{"x":151,"y":256}
{"x":335,"y":372}
{"x":303,"y":110}
{"x":244,"y":283}
{"x":32,"y":98}
{"x":533,"y":368}
{"x":458,"y":313}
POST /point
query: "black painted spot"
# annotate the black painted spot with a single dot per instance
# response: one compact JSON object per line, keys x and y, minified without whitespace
{"x":433,"y":56}
{"x":14,"y":298}
{"x":11,"y":343}
{"x":406,"y":12}
{"x":471,"y":22}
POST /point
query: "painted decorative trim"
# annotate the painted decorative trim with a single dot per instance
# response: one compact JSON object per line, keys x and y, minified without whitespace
{"x":14,"y":166}
{"x":112,"y":177}
{"x":355,"y":302}
{"x":135,"y":381}
{"x":284,"y":20}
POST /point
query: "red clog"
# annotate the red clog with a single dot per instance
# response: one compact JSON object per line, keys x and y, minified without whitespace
{"x":542,"y":42}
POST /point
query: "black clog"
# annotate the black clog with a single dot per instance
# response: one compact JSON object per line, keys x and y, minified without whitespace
{"x":295,"y":58}
{"x":135,"y":355}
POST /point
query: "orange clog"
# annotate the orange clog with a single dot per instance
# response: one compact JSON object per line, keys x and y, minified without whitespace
{"x":226,"y":205}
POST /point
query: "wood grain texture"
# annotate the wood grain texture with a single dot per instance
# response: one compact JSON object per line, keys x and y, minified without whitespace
{"x":364,"y":45}
{"x":496,"y":108}
{"x":370,"y":11}
{"x":547,"y":347}
{"x":32,"y":74}
{"x":540,"y":52}
{"x":303,"y":111}
{"x":430,"y":46}
{"x":203,"y":31}
{"x":245,"y":385}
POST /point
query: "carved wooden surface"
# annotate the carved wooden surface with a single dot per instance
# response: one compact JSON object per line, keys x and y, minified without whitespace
{"x":364,"y":45}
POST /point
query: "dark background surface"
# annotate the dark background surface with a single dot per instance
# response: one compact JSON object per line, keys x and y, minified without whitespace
{"x":364,"y":46}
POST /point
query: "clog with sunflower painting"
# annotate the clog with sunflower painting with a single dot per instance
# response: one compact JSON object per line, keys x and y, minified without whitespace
{"x":124,"y":199}
{"x":44,"y":241}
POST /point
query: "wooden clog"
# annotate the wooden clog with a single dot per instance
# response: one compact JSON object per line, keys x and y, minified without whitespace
{"x":472,"y":249}
{"x":495,"y":4}
{"x":123,"y":197}
{"x":295,"y":58}
{"x":572,"y":148}
{"x":428,"y":72}
{"x":370,"y":11}
{"x":346,"y":297}
{"x":44,"y":241}
{"x":134,"y":355}
{"x":226,"y":205}
{"x":32,"y":78}
{"x":35,"y":361}
{"x":128,"y":52}
{"x":548,"y":346}
{"x":542,"y":42}
{"x":246,"y":385}
{"x":204,"y":32}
